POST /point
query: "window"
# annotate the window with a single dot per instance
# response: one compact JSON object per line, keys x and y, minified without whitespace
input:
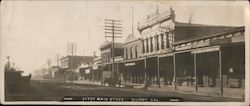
{"x":106,"y":55}
{"x":143,"y":46}
{"x":135,"y":51}
{"x":171,"y":38}
{"x":126,"y":54}
{"x":162,"y":43}
{"x":105,"y":58}
{"x":157,"y":42}
{"x":147,"y":46}
{"x":167,"y":40}
{"x":151,"y":44}
{"x":131,"y":54}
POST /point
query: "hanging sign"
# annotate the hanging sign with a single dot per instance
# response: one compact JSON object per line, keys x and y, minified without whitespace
{"x":87,"y":71}
{"x":106,"y":74}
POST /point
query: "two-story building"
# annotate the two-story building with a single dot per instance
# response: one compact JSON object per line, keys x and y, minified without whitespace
{"x":69,"y":66}
{"x":107,"y":60}
{"x":157,"y":34}
{"x":85,"y":71}
{"x":91,"y":70}
{"x":188,"y":54}
{"x":134,"y":72}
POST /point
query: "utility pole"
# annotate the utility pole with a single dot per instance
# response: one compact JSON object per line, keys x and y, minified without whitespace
{"x":113,"y":27}
{"x":132,"y":21}
{"x":71,"y":50}
{"x":57,"y":59}
{"x":8,"y":63}
{"x":49,"y":61}
{"x":190,"y":18}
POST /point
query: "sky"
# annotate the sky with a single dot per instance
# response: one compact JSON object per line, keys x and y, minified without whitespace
{"x":34,"y":31}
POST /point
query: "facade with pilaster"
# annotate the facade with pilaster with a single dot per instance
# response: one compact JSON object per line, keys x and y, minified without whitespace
{"x":191,"y":55}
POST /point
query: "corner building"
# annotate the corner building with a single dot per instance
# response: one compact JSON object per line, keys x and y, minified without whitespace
{"x":192,"y":56}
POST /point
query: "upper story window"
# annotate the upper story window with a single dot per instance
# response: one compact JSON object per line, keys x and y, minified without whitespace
{"x":109,"y":57}
{"x":131,"y":53}
{"x":171,"y":38}
{"x":162,"y":41}
{"x":147,"y":49}
{"x":143,"y":46}
{"x":126,"y":54}
{"x":151,"y":44}
{"x":167,"y":40}
{"x":106,"y":57}
{"x":136,"y":55}
{"x":157,"y":42}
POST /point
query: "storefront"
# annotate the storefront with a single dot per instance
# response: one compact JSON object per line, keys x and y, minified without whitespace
{"x":152,"y":70}
{"x":166,"y":71}
{"x":184,"y":68}
{"x":213,"y":67}
{"x":233,"y":65}
{"x":134,"y":72}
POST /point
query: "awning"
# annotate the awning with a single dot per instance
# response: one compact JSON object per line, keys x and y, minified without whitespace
{"x":206,"y":49}
{"x":132,"y":60}
{"x":166,"y":55}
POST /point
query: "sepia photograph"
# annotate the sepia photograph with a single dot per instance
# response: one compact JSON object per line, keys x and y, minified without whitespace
{"x":112,"y":52}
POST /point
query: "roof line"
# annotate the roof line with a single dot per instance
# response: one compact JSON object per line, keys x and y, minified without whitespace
{"x":212,"y":35}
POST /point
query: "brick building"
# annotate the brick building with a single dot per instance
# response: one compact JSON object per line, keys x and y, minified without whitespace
{"x":106,"y":58}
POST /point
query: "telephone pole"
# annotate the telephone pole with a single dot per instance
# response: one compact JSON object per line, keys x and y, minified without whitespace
{"x":8,"y":63}
{"x":49,"y":62}
{"x":71,"y":50}
{"x":113,"y":28}
{"x":57,"y":59}
{"x":132,"y":21}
